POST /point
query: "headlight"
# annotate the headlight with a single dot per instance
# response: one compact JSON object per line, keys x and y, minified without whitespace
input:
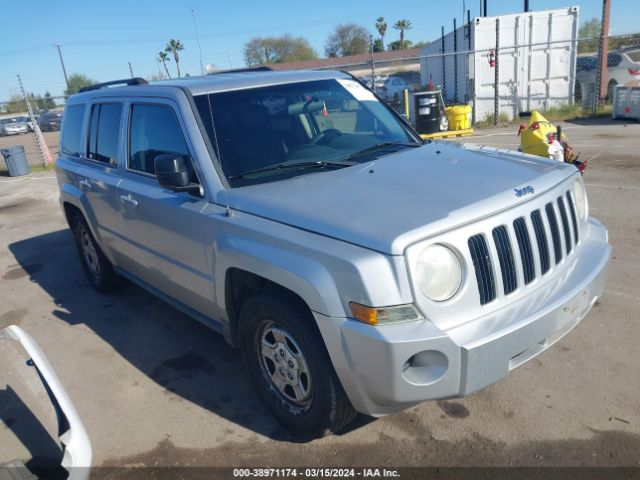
{"x":580,"y":195}
{"x":439,"y":273}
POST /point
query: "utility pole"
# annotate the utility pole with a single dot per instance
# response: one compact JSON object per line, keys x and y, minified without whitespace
{"x":130,"y":70}
{"x":195,"y":25}
{"x":603,"y":54}
{"x":64,"y":70}
{"x":42,"y":146}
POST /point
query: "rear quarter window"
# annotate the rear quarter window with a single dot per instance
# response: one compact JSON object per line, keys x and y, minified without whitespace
{"x":71,"y":141}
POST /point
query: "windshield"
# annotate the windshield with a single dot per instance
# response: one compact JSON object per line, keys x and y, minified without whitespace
{"x":311,"y":125}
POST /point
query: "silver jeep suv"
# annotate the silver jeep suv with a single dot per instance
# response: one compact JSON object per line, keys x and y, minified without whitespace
{"x":355,"y":266}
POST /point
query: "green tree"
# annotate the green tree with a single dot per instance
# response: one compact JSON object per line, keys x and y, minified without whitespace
{"x":381,"y":26}
{"x":76,"y":82}
{"x":347,"y":39}
{"x":403,"y":25}
{"x":378,"y":46}
{"x":174,"y":46}
{"x":48,"y":102}
{"x":588,"y":36}
{"x":399,"y":45}
{"x":282,"y":49}
{"x":163,"y":57}
{"x":421,"y":44}
{"x":16,"y":104}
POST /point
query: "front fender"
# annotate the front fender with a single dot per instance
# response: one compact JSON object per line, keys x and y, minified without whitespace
{"x":301,"y":274}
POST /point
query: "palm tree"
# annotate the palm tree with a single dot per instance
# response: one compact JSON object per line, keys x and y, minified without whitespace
{"x":164,"y":58}
{"x":174,"y":46}
{"x":402,"y":25}
{"x":381,"y":26}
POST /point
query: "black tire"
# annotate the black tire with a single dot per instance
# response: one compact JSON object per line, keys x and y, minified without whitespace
{"x":96,"y":266}
{"x":328,"y":409}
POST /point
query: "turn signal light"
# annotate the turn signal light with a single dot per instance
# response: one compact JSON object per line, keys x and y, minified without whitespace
{"x":385,"y":315}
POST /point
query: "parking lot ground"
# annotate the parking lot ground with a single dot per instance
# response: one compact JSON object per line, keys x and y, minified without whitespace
{"x":155,"y":388}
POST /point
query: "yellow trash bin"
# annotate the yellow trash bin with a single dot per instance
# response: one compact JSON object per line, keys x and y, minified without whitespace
{"x":459,"y":117}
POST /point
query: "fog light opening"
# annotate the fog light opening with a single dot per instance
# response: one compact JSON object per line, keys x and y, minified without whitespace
{"x":425,"y":368}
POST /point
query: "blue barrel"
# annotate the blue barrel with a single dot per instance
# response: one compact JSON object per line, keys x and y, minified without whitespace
{"x":16,"y":160}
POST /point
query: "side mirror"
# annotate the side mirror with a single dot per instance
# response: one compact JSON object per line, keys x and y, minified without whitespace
{"x":172,"y":173}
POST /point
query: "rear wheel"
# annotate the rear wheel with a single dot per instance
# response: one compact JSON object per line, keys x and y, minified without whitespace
{"x":96,"y":266}
{"x":289,"y":366}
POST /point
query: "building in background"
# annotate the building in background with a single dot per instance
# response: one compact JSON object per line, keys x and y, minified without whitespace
{"x":528,"y":58}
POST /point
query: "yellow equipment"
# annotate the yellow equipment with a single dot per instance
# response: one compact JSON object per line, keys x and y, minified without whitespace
{"x":459,"y":117}
{"x":534,"y":138}
{"x":540,"y":137}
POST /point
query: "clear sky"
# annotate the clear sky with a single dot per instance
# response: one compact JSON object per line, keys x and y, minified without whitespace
{"x":99,"y":38}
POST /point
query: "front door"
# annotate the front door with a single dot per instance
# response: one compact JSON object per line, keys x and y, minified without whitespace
{"x":164,"y":230}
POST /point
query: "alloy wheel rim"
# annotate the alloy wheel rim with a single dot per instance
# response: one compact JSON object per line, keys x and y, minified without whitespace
{"x":285,"y":368}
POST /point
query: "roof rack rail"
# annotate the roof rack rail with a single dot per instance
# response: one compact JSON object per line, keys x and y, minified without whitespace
{"x":262,"y":68}
{"x":126,"y":81}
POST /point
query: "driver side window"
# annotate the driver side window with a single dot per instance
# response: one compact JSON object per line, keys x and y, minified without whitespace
{"x":154,"y":130}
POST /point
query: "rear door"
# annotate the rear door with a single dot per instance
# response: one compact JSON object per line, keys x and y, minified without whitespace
{"x":164,"y":231}
{"x":99,"y":173}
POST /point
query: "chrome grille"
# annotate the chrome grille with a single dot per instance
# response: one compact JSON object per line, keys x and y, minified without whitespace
{"x":565,"y":225}
{"x":482,"y":265}
{"x":574,"y":220}
{"x":555,"y":231}
{"x":505,"y":256}
{"x":541,"y":240}
{"x":526,"y":253}
{"x":531,"y":258}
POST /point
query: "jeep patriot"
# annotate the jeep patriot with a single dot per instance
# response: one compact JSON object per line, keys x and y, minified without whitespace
{"x":356,"y":267}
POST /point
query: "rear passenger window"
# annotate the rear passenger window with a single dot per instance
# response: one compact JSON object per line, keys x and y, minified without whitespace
{"x":154,"y":130}
{"x":104,"y":132}
{"x":71,"y":143}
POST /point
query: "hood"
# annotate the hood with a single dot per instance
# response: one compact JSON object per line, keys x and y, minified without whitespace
{"x":396,"y":200}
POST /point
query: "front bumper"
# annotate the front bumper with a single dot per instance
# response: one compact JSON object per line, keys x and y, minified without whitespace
{"x":385,"y":369}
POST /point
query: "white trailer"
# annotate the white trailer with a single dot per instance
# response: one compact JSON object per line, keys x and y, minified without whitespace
{"x":535,"y":58}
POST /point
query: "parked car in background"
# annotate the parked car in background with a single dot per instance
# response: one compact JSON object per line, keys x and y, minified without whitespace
{"x":376,"y":82}
{"x":27,"y":120}
{"x":396,"y":84}
{"x":50,"y":121}
{"x":13,"y":126}
{"x":622,"y":66}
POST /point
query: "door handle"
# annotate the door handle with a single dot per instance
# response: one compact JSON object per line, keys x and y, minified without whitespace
{"x":85,"y":184}
{"x":128,"y":200}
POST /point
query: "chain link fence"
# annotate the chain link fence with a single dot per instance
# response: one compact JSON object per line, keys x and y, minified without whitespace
{"x":496,"y":83}
{"x":499,"y":83}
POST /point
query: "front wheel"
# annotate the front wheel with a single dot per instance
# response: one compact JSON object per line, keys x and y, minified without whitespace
{"x":289,"y":366}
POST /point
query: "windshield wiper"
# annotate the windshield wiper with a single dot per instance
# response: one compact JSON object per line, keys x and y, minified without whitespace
{"x":287,"y":166}
{"x":381,"y":146}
